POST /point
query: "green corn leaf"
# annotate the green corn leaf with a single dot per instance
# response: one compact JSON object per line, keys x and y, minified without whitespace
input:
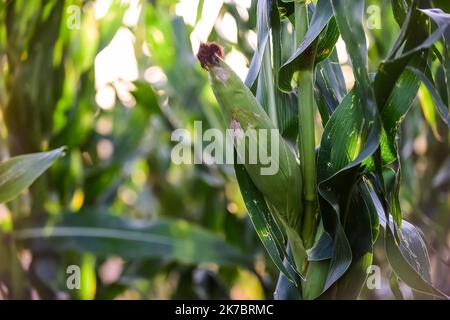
{"x":409,"y":257}
{"x":428,"y":109}
{"x":263,"y":30}
{"x":322,"y":249}
{"x":415,"y":40}
{"x":329,"y":86}
{"x":322,"y":15}
{"x":28,"y":113}
{"x":353,"y":38}
{"x":395,"y":286}
{"x":350,"y":285}
{"x":327,"y":41}
{"x":265,"y":225}
{"x":357,"y":139}
{"x":286,"y":289}
{"x":393,"y":113}
{"x":18,"y":173}
{"x":362,"y":228}
{"x":439,"y":103}
{"x":340,"y":152}
{"x":330,"y":71}
{"x":286,"y":104}
{"x":395,"y":89}
{"x":280,"y":106}
{"x":106,"y":235}
{"x":351,"y":135}
{"x":441,"y":18}
{"x":349,"y":19}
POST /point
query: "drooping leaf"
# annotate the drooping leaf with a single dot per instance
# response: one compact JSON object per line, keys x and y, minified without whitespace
{"x":322,"y":15}
{"x":415,"y":42}
{"x":265,"y":226}
{"x":395,"y":89}
{"x":439,"y":103}
{"x":441,"y":18}
{"x":106,"y":235}
{"x":409,"y":260}
{"x":396,"y":86}
{"x":397,"y":106}
{"x":286,"y":289}
{"x":409,"y":257}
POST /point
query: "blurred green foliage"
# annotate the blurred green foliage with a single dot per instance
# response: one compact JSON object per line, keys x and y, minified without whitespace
{"x":139,"y":226}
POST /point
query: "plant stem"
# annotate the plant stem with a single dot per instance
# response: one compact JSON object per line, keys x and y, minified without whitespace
{"x":306,"y":112}
{"x":301,"y":22}
{"x":269,"y":81}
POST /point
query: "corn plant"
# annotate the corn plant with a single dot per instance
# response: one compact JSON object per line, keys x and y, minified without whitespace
{"x":320,"y":216}
{"x":181,"y":231}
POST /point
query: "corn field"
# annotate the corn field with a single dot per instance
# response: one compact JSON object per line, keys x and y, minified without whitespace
{"x":224,"y":149}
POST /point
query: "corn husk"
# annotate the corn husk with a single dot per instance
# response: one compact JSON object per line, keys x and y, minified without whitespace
{"x":241,"y":111}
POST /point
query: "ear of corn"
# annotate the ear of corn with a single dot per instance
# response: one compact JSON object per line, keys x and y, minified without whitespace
{"x":242,"y":112}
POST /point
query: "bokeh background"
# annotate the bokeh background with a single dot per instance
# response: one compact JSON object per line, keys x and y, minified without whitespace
{"x":111,"y":80}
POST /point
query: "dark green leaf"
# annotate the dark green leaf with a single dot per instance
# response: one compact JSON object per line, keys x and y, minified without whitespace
{"x":409,"y":260}
{"x":286,"y":290}
{"x":322,"y":250}
{"x":265,"y":225}
{"x":329,"y":86}
{"x":322,"y":15}
{"x":440,"y":105}
{"x":351,"y":135}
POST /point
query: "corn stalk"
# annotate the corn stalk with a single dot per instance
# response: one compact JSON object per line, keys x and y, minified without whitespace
{"x":344,"y":198}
